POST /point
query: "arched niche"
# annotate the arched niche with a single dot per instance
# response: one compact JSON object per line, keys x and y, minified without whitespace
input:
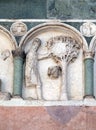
{"x":51,"y":85}
{"x":92,"y":49}
{"x":7,"y":44}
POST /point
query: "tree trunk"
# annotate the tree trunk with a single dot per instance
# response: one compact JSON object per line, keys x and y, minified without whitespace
{"x":63,"y":95}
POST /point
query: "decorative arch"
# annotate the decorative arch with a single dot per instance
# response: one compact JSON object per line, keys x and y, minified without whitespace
{"x":5,"y":33}
{"x":53,"y":26}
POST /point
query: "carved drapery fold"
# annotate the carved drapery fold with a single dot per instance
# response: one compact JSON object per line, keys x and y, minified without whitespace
{"x":31,"y":72}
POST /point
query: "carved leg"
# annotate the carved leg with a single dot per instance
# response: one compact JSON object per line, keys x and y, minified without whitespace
{"x":39,"y":91}
{"x":64,"y":86}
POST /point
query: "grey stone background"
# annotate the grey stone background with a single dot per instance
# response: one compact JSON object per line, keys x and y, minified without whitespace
{"x":47,"y":9}
{"x":71,"y":9}
{"x":40,"y":9}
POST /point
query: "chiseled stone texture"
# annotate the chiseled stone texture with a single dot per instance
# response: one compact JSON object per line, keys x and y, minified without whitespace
{"x":48,"y":118}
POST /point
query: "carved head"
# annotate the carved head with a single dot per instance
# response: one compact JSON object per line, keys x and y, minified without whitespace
{"x":36,"y":44}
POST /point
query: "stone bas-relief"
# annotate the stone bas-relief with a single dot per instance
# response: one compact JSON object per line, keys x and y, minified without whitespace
{"x":53,"y":56}
{"x":57,"y":63}
{"x":18,"y":29}
{"x":62,"y":50}
{"x":88,"y":29}
{"x":4,"y":95}
{"x":32,"y":78}
{"x":7,"y":44}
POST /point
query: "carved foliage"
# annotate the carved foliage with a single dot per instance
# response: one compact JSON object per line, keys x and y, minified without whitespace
{"x":68,"y":51}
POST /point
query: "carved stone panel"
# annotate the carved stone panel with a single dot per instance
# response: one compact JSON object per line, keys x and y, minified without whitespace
{"x":6,"y":62}
{"x":54,"y":66}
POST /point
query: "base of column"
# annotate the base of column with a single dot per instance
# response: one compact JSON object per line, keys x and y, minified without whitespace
{"x":5,"y":96}
{"x":89,"y":98}
{"x":17,"y":97}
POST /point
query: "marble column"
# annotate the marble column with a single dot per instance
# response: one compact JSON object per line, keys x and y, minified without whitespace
{"x":19,"y":57}
{"x":89,"y":74}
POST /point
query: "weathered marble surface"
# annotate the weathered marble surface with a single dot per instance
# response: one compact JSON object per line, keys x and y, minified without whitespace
{"x":7,"y":44}
{"x":54,"y":64}
{"x":67,"y":85}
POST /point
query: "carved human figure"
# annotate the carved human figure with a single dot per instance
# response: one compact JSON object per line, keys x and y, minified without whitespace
{"x":32,"y":78}
{"x":63,"y":50}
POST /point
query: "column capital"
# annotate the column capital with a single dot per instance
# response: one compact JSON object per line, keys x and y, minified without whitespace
{"x":89,"y":54}
{"x":18,"y":53}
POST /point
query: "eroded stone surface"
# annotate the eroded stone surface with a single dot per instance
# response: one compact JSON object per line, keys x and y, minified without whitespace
{"x":53,"y":118}
{"x":57,"y":48}
{"x":6,"y":61}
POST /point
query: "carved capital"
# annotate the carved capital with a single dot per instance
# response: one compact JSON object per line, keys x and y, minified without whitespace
{"x":89,"y":54}
{"x":18,"y":53}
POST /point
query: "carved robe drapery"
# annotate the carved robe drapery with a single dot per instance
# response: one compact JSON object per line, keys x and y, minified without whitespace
{"x":32,"y":78}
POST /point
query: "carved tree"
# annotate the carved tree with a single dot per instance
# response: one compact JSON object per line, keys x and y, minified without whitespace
{"x":63,"y":50}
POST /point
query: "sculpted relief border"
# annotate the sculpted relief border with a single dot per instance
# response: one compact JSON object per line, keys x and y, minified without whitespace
{"x":62,"y":49}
